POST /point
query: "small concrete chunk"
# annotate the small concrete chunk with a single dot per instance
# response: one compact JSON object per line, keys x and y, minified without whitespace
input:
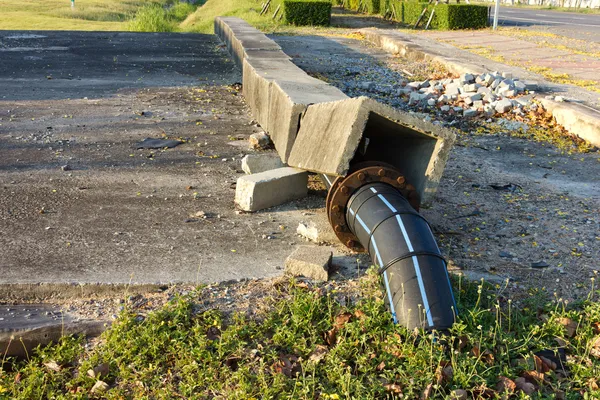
{"x":259,"y":140}
{"x":467,"y":78}
{"x":503,"y":106}
{"x":256,"y":163}
{"x":469,"y":113}
{"x":452,"y":89}
{"x":310,"y":261}
{"x":270,"y":188}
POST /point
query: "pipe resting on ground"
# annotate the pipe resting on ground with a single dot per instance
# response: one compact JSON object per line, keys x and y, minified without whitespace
{"x":402,"y":245}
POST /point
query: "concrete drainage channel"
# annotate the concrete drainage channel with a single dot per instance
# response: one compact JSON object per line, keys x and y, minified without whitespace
{"x":379,"y":165}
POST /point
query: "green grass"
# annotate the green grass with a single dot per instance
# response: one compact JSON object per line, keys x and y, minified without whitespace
{"x":310,"y":346}
{"x":202,"y":20}
{"x":91,"y":15}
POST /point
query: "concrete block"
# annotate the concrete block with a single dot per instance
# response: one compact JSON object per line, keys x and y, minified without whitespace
{"x":270,"y":188}
{"x":445,"y":108}
{"x":288,"y":100}
{"x":469,"y":113}
{"x":330,"y":134}
{"x":470,"y":87}
{"x":496,"y":83}
{"x":467,"y":78}
{"x":240,"y":37}
{"x":257,"y":163}
{"x":317,"y":229}
{"x":503,"y":106}
{"x":452,"y":89}
{"x":520,"y":86}
{"x":310,"y":261}
{"x":576,"y":118}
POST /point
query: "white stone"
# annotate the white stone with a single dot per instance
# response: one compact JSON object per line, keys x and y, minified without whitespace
{"x":503,"y":106}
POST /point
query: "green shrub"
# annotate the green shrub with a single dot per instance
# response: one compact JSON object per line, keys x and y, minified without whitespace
{"x":151,"y":18}
{"x":461,"y":16}
{"x":179,"y":11}
{"x":353,"y":4}
{"x":411,"y":11}
{"x":307,"y":12}
{"x":372,"y":6}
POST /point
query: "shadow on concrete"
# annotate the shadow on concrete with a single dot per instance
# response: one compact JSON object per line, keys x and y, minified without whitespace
{"x":51,"y":65}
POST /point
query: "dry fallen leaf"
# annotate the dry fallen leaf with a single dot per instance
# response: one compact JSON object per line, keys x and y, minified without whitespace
{"x":341,"y":320}
{"x":595,"y":347}
{"x":392,"y":387}
{"x":534,"y":377}
{"x":505,"y":385}
{"x":53,"y":366}
{"x":318,"y":353}
{"x":331,"y":337}
{"x":427,"y":392}
{"x":381,"y":366}
{"x":569,"y":324}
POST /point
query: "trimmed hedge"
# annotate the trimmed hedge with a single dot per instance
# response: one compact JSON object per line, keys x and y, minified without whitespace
{"x":307,"y":12}
{"x":461,"y":16}
{"x":446,"y":16}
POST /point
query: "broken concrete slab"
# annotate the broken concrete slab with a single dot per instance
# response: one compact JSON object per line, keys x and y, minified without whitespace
{"x":270,"y":188}
{"x":24,"y":327}
{"x":278,"y":92}
{"x":317,"y":229}
{"x":330,"y":134}
{"x":257,"y":163}
{"x":310,"y":261}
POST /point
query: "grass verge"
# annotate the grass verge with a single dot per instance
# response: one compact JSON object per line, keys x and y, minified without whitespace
{"x":318,"y":343}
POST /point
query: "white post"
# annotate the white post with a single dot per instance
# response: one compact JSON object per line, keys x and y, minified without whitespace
{"x":496,"y":12}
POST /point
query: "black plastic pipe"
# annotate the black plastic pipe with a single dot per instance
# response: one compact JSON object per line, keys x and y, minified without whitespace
{"x":402,"y":245}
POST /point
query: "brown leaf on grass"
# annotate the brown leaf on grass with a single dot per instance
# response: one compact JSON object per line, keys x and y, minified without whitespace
{"x":483,"y":392}
{"x":524,"y":386}
{"x":287,"y":365}
{"x":596,"y":327}
{"x":318,"y":353}
{"x":18,"y":377}
{"x":359,"y":314}
{"x":213,"y":333}
{"x":341,"y":320}
{"x":53,"y":366}
{"x":593,"y":384}
{"x":394,"y":388}
{"x":381,"y":366}
{"x":535,"y":377}
{"x":101,"y":369}
{"x":331,"y":337}
{"x":543,"y":364}
{"x":462,"y":342}
{"x":486,"y":356}
{"x":570,"y":326}
{"x":595,"y":347}
{"x":427,"y":392}
{"x":505,"y":385}
{"x":444,"y":373}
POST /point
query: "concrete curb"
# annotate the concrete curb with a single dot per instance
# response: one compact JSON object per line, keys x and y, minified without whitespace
{"x":316,"y":127}
{"x":578,"y":119}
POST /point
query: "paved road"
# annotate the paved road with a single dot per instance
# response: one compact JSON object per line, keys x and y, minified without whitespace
{"x":117,"y":213}
{"x":576,"y":25}
{"x":60,"y":65}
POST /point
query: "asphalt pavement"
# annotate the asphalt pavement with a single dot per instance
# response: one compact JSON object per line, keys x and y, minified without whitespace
{"x":575,"y":25}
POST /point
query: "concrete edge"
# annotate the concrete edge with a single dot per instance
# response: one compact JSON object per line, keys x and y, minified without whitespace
{"x":578,"y":119}
{"x":48,"y":291}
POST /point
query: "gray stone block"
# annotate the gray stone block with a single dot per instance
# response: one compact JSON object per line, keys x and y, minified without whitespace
{"x":310,"y":261}
{"x":270,"y":188}
{"x":330,"y":134}
{"x":469,"y":113}
{"x":256,"y":163}
{"x":503,"y":106}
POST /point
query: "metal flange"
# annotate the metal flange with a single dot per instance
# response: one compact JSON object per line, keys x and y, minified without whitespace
{"x":343,"y":187}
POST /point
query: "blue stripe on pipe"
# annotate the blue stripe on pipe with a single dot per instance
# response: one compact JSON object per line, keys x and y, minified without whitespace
{"x":417,"y":271}
{"x":378,"y":256}
{"x":414,"y":259}
{"x":373,"y":190}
